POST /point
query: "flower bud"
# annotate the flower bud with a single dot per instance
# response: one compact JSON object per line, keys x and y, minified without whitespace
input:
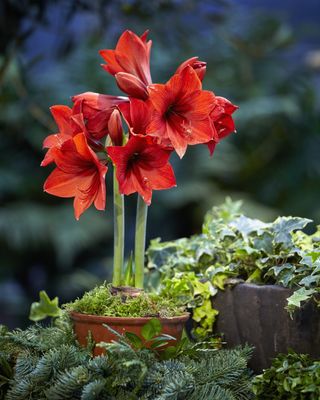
{"x":115,"y":128}
{"x":132,"y":85}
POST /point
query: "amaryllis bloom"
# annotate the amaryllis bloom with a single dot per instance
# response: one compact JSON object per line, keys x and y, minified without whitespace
{"x":181,"y":111}
{"x":142,"y":166}
{"x":199,"y":66}
{"x":132,"y":57}
{"x":96,"y":110}
{"x":221,"y":117}
{"x":67,"y":129}
{"x":79,"y":174}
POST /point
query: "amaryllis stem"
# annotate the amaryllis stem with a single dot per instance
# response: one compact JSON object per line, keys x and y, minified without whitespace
{"x":118,"y":213}
{"x":140,"y":241}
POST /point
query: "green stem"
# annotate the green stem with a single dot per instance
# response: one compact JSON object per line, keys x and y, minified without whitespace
{"x":118,"y":213}
{"x":140,"y":241}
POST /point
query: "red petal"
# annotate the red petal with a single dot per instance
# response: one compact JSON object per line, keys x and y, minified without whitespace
{"x":225,"y":126}
{"x":55,"y":140}
{"x":198,"y":66}
{"x":157,"y":127}
{"x":82,"y":147}
{"x":197,"y":105}
{"x":113,"y":66}
{"x":61,"y":115}
{"x":100,"y":200}
{"x":153,"y":157}
{"x":97,"y":126}
{"x":137,"y":54}
{"x":131,"y":55}
{"x":140,"y":115}
{"x":178,"y":135}
{"x":80,"y":205}
{"x":61,"y":184}
{"x":161,"y":179}
{"x":98,"y":101}
{"x":202,"y":131}
{"x":185,"y":82}
{"x":182,"y":133}
{"x":229,"y":108}
{"x":160,"y":97}
{"x":48,"y":158}
{"x":211,"y":146}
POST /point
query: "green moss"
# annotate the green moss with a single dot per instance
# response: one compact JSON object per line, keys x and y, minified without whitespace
{"x":100,"y":301}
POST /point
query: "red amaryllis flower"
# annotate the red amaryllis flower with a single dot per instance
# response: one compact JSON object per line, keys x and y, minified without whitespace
{"x":221,"y":117}
{"x":78,"y":174}
{"x":199,"y":66}
{"x":96,"y":110}
{"x":181,"y":111}
{"x":131,"y":56}
{"x":142,"y":166}
{"x":67,"y":129}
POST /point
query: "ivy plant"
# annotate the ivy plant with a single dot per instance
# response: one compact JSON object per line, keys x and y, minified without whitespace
{"x":234,"y":248}
{"x":291,"y":377}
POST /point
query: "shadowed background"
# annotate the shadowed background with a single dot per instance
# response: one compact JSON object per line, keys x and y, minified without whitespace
{"x":266,"y":59}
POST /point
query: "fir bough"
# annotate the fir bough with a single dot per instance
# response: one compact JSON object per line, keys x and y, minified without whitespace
{"x":47,"y":363}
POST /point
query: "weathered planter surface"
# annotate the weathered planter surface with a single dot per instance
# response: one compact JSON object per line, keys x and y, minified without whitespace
{"x":84,"y":323}
{"x":256,"y":315}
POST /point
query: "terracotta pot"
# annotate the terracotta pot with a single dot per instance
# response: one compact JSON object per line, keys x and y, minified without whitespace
{"x":85,"y":323}
{"x":256,"y":315}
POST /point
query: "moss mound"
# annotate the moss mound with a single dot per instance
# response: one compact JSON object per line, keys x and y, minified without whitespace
{"x":100,"y":301}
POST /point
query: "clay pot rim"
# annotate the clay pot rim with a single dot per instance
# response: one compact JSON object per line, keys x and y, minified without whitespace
{"x":90,"y":318}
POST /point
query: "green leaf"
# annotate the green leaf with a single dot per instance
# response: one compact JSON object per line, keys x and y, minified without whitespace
{"x":164,"y":336}
{"x":246,"y":225}
{"x":134,"y":340}
{"x":161,"y":341}
{"x":168,"y":352}
{"x":298,"y":297}
{"x":284,"y":226}
{"x":151,"y":329}
{"x":310,"y":280}
{"x":276,"y":271}
{"x":44,"y":308}
{"x":264,"y":242}
{"x":255,"y":276}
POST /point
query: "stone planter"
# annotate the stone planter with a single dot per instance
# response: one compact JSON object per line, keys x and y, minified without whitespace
{"x":256,"y":315}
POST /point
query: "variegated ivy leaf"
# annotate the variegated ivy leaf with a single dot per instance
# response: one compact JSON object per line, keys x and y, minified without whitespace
{"x":284,"y":226}
{"x":276,"y":270}
{"x":44,"y":308}
{"x":298,"y":297}
{"x":311,"y":280}
{"x":246,"y":225}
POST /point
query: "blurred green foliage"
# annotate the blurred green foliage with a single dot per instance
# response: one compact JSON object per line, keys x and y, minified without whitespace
{"x":256,"y":61}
